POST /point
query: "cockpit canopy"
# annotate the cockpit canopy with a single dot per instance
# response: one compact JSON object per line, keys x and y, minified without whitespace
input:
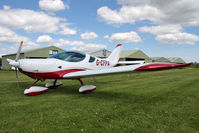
{"x":69,"y":56}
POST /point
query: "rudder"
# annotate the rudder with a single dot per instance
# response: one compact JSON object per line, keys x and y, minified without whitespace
{"x":115,"y":55}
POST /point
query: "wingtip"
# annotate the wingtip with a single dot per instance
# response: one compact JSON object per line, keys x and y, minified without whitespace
{"x":160,"y":66}
{"x":188,"y":64}
{"x":118,"y":45}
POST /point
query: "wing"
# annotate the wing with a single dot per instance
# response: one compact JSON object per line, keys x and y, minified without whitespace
{"x":130,"y":62}
{"x":121,"y":69}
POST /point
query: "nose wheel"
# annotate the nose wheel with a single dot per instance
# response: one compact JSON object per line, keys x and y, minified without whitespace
{"x":34,"y":90}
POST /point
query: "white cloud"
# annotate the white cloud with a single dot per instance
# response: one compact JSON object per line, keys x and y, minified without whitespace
{"x":163,"y":29}
{"x":79,"y":45}
{"x":8,"y":50}
{"x":89,"y":35}
{"x":6,"y":7}
{"x":89,"y":46}
{"x":52,"y":5}
{"x":67,"y":31}
{"x":178,"y":38}
{"x":62,"y":42}
{"x":171,"y":16}
{"x":78,"y":48}
{"x":183,"y":12}
{"x":110,"y":16}
{"x":171,"y":34}
{"x":44,"y":39}
{"x":129,"y":14}
{"x":106,"y":36}
{"x":95,"y":46}
{"x":29,"y":20}
{"x":8,"y":37}
{"x":126,"y":37}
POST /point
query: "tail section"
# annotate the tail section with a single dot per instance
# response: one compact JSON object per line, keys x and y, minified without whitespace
{"x":115,"y":55}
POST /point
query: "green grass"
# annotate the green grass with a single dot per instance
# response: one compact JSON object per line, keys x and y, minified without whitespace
{"x":156,"y":102}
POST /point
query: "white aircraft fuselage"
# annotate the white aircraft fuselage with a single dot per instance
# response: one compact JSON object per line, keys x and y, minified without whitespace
{"x":51,"y":68}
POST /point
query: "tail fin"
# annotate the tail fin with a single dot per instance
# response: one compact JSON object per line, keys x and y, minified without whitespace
{"x":115,"y":55}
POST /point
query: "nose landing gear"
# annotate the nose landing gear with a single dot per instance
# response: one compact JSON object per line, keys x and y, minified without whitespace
{"x":34,"y":90}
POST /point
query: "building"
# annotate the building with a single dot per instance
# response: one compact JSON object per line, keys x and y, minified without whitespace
{"x":159,"y":59}
{"x":177,"y":60}
{"x":0,"y":62}
{"x":134,"y":55}
{"x":102,"y":53}
{"x":129,"y":55}
{"x":170,"y":60}
{"x":44,"y":52}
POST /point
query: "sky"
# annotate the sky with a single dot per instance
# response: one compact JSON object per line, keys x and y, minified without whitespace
{"x":160,"y":28}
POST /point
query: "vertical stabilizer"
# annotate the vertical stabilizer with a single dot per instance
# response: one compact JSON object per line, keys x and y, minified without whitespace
{"x":115,"y":55}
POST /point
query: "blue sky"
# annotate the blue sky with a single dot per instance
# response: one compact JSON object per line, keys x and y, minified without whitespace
{"x":159,"y":28}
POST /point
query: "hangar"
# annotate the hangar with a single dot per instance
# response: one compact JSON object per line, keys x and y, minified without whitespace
{"x":44,"y":52}
{"x":102,"y":53}
{"x":177,"y":60}
{"x":129,"y":55}
{"x":134,"y":55}
{"x":159,"y":59}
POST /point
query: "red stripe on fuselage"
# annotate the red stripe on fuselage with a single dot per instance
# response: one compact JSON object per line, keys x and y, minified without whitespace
{"x":157,"y":66}
{"x":50,"y":75}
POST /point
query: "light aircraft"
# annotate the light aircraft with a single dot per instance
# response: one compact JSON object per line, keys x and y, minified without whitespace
{"x":76,"y":65}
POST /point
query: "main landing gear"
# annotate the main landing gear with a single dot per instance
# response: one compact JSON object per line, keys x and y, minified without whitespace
{"x":36,"y":90}
{"x":86,"y":88}
{"x":53,"y":84}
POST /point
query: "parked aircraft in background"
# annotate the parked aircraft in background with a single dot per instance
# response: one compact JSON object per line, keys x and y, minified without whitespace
{"x":76,"y":65}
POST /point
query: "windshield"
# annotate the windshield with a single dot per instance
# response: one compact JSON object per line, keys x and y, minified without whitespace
{"x":69,"y":56}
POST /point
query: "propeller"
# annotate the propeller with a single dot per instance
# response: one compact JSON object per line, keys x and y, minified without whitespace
{"x":15,"y":63}
{"x":16,"y":59}
{"x":18,"y":52}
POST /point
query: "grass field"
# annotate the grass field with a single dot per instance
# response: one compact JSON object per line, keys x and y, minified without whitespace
{"x":156,"y":102}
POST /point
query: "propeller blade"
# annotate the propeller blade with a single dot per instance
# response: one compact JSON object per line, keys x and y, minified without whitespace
{"x":16,"y":72}
{"x":16,"y":63}
{"x":18,"y":52}
{"x":17,"y":76}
